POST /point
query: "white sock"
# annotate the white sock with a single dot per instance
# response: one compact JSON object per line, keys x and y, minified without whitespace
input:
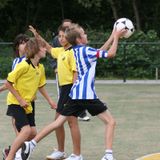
{"x":108,"y":151}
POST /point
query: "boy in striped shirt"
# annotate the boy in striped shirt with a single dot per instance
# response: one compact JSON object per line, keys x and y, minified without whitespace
{"x":82,"y":94}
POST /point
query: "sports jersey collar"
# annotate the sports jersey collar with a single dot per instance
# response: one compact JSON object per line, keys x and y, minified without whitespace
{"x":29,"y":62}
{"x":69,"y":48}
{"x":78,"y":46}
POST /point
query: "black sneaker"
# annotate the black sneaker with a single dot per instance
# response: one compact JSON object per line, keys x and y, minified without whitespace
{"x":26,"y":151}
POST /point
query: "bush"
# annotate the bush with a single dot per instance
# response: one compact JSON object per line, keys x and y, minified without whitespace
{"x":137,"y":57}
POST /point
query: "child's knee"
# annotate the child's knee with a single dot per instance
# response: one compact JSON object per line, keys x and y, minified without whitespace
{"x":73,"y":123}
{"x":33,"y":133}
{"x":112,"y":122}
{"x":26,"y":130}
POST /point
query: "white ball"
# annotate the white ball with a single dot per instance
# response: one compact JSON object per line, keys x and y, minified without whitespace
{"x":125,"y":23}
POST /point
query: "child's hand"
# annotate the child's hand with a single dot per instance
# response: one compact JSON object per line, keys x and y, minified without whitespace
{"x":119,"y":33}
{"x":53,"y":104}
{"x":33,"y":30}
{"x":1,"y":89}
{"x":23,"y":103}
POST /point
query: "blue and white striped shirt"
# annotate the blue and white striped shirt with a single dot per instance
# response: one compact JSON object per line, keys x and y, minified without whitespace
{"x":86,"y":60}
{"x":16,"y":61}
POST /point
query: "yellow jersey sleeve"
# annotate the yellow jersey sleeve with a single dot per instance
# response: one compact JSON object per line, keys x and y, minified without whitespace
{"x":72,"y":61}
{"x":20,"y":69}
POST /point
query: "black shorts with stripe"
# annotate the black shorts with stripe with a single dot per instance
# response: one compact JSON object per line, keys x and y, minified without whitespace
{"x":75,"y":107}
{"x":63,"y":97}
{"x":21,"y":118}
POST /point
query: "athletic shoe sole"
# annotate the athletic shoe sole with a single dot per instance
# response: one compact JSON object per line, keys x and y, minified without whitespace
{"x":55,"y":159}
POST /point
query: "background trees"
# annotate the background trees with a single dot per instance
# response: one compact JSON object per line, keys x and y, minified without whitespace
{"x":136,"y":58}
{"x":16,"y":15}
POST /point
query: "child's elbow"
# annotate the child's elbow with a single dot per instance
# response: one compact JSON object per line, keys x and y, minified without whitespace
{"x":7,"y":84}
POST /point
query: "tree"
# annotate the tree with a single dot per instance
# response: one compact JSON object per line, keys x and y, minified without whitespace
{"x":136,"y":13}
{"x":4,"y":3}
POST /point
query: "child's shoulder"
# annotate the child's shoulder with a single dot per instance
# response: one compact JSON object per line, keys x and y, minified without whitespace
{"x":41,"y":66}
{"x":57,"y":49}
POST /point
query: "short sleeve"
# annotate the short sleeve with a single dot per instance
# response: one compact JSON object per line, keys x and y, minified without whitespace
{"x":72,"y":61}
{"x":101,"y":54}
{"x":96,"y":53}
{"x":20,"y":69}
{"x":43,"y":76}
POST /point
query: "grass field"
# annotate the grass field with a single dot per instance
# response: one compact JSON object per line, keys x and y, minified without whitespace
{"x":136,"y":108}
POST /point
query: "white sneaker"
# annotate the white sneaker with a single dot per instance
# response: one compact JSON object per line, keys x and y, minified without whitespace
{"x":56,"y":155}
{"x":74,"y":157}
{"x":86,"y":118}
{"x":108,"y":156}
{"x":27,"y":149}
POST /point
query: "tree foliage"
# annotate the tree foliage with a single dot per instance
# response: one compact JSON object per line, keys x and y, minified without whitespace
{"x":15,"y":15}
{"x":98,"y":17}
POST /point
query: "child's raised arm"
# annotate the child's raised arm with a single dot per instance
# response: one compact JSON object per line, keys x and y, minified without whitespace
{"x":107,"y":44}
{"x":113,"y":40}
{"x":39,"y":37}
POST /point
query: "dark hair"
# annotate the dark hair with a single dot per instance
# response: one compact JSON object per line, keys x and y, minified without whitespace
{"x":62,"y":28}
{"x":20,"y":38}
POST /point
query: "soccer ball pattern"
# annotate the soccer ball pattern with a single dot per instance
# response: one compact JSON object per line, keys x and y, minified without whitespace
{"x":125,"y":23}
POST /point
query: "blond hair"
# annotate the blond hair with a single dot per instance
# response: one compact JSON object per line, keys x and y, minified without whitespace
{"x":33,"y":47}
{"x":72,"y":33}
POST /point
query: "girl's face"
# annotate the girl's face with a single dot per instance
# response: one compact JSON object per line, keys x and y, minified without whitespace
{"x":83,"y":36}
{"x":62,"y":39}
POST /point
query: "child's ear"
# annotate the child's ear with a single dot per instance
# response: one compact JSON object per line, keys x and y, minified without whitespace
{"x":78,"y":40}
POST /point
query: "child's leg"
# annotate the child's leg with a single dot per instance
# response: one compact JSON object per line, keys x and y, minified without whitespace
{"x":75,"y":133}
{"x":60,"y":135}
{"x":28,"y":147}
{"x":51,"y":127}
{"x":22,"y":136}
{"x":33,"y":133}
{"x":110,"y":123}
{"x":14,"y":126}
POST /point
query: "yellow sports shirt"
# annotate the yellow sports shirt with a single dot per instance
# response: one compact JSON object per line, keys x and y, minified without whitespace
{"x":66,"y":64}
{"x":26,"y":79}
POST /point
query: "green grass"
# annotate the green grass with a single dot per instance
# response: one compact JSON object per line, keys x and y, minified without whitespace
{"x":136,"y":108}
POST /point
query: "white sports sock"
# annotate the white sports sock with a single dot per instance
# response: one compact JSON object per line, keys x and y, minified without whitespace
{"x":109,"y":151}
{"x":33,"y":144}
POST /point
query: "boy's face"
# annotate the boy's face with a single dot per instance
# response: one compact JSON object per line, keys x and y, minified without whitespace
{"x":83,"y":36}
{"x":21,"y":48}
{"x":62,"y":40}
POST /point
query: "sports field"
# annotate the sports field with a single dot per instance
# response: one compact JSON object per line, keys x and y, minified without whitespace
{"x":136,"y":108}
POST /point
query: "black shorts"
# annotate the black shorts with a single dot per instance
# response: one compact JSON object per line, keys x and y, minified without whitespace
{"x":63,"y":97}
{"x":21,"y":118}
{"x":75,"y":107}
